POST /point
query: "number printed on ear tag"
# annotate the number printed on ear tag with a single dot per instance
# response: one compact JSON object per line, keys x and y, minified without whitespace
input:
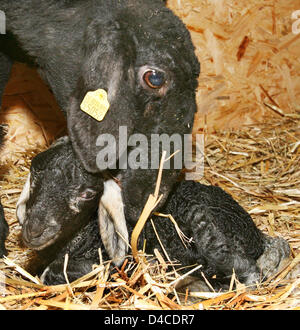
{"x":95,"y":104}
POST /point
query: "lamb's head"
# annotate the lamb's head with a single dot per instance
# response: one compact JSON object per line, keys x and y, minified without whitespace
{"x":58,"y":197}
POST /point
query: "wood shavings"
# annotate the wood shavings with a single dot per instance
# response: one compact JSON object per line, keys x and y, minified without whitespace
{"x":248,"y":45}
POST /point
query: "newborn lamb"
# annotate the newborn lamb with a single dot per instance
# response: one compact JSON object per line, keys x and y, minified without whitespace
{"x":59,"y":198}
{"x":223,"y":238}
{"x":223,"y":235}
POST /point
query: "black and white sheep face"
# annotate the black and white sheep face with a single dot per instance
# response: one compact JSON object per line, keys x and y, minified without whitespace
{"x":49,"y":206}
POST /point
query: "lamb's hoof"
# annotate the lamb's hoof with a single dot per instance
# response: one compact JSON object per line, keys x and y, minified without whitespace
{"x":275,"y":256}
{"x":193,"y":284}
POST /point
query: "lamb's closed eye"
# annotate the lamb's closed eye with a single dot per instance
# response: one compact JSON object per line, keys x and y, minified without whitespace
{"x":87,"y":194}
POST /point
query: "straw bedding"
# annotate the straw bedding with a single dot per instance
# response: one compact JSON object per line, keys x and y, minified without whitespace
{"x":259,"y":167}
{"x":248,"y":101}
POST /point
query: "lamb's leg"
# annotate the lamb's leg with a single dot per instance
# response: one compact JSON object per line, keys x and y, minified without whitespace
{"x":193,"y":284}
{"x":83,"y":252}
{"x":54,"y":273}
{"x":276,"y":252}
{"x":247,"y":271}
{"x":5,"y":68}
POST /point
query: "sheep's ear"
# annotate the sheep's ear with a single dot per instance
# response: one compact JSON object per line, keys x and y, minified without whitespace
{"x":112,"y":222}
{"x":21,"y":204}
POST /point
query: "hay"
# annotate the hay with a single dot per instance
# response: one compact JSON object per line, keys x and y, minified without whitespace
{"x":259,"y":167}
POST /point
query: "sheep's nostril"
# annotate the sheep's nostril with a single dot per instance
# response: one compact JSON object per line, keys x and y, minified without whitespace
{"x":36,"y":233}
{"x":33,"y":231}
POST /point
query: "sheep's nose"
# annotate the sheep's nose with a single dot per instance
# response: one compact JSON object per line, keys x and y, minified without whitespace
{"x":34,"y":230}
{"x":38,"y":234}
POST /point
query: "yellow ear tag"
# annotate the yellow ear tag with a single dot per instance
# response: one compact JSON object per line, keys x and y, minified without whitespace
{"x":95,"y":104}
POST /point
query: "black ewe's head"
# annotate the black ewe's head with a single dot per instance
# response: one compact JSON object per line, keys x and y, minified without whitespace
{"x":58,"y":197}
{"x":142,"y":55}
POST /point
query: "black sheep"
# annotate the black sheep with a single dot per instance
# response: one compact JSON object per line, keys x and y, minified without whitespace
{"x":138,"y":51}
{"x":59,"y":198}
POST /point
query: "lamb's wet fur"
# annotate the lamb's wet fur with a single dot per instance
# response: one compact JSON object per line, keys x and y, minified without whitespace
{"x":222,"y":235}
{"x":83,"y":252}
{"x":57,"y":199}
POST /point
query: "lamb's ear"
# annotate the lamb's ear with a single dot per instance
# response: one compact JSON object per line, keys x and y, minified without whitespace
{"x":112,"y":222}
{"x":107,"y":64}
{"x":21,"y":204}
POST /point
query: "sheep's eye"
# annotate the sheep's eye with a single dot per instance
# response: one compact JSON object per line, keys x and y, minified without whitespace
{"x":154,"y":78}
{"x":88,"y":194}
